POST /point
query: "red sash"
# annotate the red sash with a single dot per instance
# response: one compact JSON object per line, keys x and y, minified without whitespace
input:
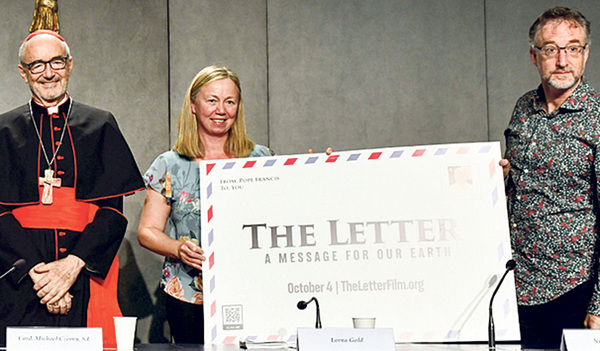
{"x":70,"y":214}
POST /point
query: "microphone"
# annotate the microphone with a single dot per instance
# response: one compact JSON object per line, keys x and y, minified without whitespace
{"x":302,"y":305}
{"x":18,"y":264}
{"x":510,"y":265}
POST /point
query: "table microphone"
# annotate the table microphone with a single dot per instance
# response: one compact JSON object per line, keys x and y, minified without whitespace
{"x":18,"y":264}
{"x":302,"y":305}
{"x":510,"y":265}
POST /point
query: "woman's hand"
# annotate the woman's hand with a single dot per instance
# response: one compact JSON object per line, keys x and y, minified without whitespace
{"x":191,"y":254}
{"x":151,"y":232}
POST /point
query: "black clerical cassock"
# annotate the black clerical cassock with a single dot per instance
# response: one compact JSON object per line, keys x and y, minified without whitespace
{"x":91,"y":169}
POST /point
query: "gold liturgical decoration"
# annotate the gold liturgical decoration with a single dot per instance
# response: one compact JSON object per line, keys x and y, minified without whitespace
{"x":45,"y":16}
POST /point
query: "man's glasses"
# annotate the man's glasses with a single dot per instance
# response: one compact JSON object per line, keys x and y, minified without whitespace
{"x":39,"y":66}
{"x":551,"y":51}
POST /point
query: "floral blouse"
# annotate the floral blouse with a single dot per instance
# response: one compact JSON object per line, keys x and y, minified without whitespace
{"x":177,"y":178}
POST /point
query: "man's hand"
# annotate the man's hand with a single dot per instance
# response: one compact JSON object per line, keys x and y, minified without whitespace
{"x":329,"y":151}
{"x":53,"y":280}
{"x":36,"y":276}
{"x":505,"y":164}
{"x":63,"y":306}
{"x":591,"y":321}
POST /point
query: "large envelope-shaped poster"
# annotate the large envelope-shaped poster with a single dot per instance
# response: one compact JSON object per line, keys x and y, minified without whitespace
{"x":416,"y":237}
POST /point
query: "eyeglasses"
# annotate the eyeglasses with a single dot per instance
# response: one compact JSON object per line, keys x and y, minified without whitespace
{"x":551,"y":51}
{"x":39,"y":66}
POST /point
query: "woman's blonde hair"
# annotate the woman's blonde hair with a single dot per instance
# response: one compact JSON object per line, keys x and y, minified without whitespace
{"x":188,"y":141}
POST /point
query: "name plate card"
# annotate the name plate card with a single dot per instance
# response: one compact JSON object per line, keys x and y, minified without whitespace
{"x":580,"y":340}
{"x":346,"y":339}
{"x":53,"y":339}
{"x":416,"y":237}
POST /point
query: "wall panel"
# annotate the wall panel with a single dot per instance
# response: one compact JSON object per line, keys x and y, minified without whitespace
{"x":510,"y":70}
{"x":227,"y":32}
{"x":358,"y":74}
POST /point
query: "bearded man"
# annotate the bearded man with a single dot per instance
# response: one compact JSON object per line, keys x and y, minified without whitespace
{"x":551,"y":167}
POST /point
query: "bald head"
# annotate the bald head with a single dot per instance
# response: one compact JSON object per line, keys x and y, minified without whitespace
{"x":43,"y":35}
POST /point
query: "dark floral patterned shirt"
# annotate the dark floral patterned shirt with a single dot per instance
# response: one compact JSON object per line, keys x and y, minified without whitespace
{"x":553,"y":194}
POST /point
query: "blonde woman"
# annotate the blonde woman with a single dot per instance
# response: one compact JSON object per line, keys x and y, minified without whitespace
{"x":211,"y":126}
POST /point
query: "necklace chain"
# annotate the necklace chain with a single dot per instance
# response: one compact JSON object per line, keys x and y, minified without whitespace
{"x":39,"y":135}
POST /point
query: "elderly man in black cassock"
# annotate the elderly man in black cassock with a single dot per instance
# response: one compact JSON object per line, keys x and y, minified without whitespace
{"x":65,"y":170}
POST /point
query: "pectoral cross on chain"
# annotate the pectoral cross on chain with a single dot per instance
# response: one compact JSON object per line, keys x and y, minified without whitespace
{"x":48,"y":182}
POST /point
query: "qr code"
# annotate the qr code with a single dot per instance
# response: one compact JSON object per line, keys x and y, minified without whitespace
{"x":233,"y":317}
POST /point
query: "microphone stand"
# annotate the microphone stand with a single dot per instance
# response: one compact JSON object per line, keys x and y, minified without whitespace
{"x":7,"y":272}
{"x":18,"y":263}
{"x":318,"y":318}
{"x":302,"y":305}
{"x":510,"y":265}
